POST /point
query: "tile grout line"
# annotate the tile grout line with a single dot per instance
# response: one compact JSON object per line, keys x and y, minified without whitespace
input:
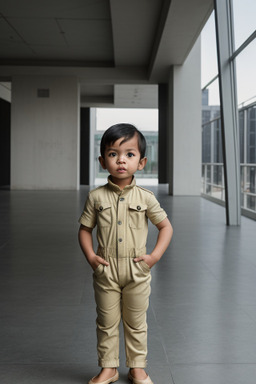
{"x":162,"y":343}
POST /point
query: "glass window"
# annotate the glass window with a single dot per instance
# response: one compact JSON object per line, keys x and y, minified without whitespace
{"x":244,"y":20}
{"x":245,"y":69}
{"x":241,"y":132}
{"x":211,"y":98}
{"x":218,"y":158}
{"x":209,"y":63}
{"x":206,"y":143}
{"x":212,"y":167}
{"x":251,"y":135}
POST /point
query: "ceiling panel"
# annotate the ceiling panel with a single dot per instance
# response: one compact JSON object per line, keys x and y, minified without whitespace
{"x":134,"y":26}
{"x":90,"y":34}
{"x":38,"y":31}
{"x":73,"y":9}
{"x":56,"y":30}
{"x":15,"y":50}
{"x":7,"y":33}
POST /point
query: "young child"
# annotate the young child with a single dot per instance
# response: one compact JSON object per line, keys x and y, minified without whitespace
{"x":121,"y":265}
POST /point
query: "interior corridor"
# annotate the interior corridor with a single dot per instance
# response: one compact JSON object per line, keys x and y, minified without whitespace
{"x":202,"y":315}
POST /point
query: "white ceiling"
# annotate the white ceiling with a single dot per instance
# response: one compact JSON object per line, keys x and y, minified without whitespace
{"x":117,"y":48}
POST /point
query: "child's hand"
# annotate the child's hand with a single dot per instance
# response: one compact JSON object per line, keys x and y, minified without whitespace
{"x":96,"y":261}
{"x":148,"y":259}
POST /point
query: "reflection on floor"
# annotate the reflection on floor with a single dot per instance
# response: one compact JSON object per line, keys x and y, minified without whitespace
{"x":202,"y":315}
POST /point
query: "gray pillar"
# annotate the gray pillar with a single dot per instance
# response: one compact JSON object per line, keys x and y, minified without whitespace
{"x":229,"y":115}
{"x":45,"y":138}
{"x":184,"y":133}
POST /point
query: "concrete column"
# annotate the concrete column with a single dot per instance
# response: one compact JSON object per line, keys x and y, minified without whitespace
{"x":184,"y":127}
{"x":45,"y":130}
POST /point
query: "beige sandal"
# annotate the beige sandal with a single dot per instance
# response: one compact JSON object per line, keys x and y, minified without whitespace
{"x":108,"y":381}
{"x":137,"y":381}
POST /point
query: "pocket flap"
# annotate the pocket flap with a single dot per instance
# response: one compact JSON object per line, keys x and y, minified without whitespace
{"x":138,"y":207}
{"x":102,"y":206}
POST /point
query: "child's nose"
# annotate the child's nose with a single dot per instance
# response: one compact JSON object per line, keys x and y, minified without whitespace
{"x":121,"y":159}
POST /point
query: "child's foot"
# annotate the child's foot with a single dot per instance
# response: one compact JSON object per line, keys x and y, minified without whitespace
{"x":106,"y":376}
{"x":139,"y":376}
{"x":138,"y":373}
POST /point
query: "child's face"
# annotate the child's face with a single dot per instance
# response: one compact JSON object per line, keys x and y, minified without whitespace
{"x":123,"y":160}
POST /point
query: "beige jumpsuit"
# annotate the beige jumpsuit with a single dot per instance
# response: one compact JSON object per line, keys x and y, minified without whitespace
{"x":122,"y":289}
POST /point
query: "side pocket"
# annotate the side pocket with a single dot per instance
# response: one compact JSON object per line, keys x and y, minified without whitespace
{"x":99,"y":270}
{"x":144,"y":266}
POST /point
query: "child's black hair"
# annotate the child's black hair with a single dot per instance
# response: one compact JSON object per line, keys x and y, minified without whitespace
{"x":125,"y":130}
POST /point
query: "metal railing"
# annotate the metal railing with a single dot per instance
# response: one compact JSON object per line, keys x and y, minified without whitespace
{"x":213,"y":180}
{"x":213,"y":183}
{"x":216,"y":189}
{"x":248,"y":187}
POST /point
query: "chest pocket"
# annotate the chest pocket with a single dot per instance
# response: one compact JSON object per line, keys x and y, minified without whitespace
{"x":137,"y":215}
{"x":103,"y":214}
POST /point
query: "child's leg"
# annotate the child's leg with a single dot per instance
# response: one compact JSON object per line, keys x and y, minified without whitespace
{"x":135,"y":301}
{"x":107,"y":297}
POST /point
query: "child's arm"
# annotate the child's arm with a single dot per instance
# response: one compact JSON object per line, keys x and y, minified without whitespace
{"x":163,"y":240}
{"x":86,"y":244}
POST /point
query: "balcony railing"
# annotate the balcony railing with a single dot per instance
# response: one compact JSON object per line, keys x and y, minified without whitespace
{"x":213,"y":183}
{"x":213,"y":180}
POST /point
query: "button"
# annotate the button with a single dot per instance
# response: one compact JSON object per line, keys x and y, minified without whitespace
{"x":121,"y":198}
{"x":119,"y":222}
{"x":138,"y":207}
{"x":101,"y":208}
{"x":120,"y":240}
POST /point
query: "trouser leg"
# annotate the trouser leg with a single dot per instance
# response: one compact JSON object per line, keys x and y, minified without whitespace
{"x":135,"y":301}
{"x":107,"y":297}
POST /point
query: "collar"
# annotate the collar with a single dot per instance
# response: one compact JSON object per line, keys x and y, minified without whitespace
{"x":117,"y":189}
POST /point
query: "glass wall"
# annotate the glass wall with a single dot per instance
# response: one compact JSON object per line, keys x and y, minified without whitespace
{"x":246,"y":75}
{"x":212,"y":160}
{"x":244,"y":20}
{"x":247,"y":119}
{"x":213,"y":183}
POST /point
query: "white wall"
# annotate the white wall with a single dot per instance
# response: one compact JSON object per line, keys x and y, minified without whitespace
{"x":45,"y":133}
{"x":185,"y":125}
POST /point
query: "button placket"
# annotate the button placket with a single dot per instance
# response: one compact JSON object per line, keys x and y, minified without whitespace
{"x":120,"y":227}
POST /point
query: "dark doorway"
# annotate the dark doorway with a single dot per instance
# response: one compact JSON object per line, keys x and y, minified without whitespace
{"x":84,"y":145}
{"x":5,"y":144}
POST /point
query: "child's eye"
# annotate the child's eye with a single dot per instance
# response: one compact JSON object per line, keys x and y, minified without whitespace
{"x":130,"y":154}
{"x":112,"y":154}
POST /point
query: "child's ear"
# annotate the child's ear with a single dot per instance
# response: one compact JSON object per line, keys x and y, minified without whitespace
{"x":142,"y":163}
{"x":102,"y":162}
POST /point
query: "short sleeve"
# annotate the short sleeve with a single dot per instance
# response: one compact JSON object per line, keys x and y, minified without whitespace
{"x":155,"y":213}
{"x":88,"y":217}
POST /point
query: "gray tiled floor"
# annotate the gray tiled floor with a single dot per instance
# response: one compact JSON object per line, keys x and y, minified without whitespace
{"x":202,"y":316}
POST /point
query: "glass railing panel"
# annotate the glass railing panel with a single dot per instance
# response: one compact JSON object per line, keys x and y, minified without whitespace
{"x":213,"y":183}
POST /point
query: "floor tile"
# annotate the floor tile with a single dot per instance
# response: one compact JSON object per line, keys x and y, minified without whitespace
{"x":202,"y":314}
